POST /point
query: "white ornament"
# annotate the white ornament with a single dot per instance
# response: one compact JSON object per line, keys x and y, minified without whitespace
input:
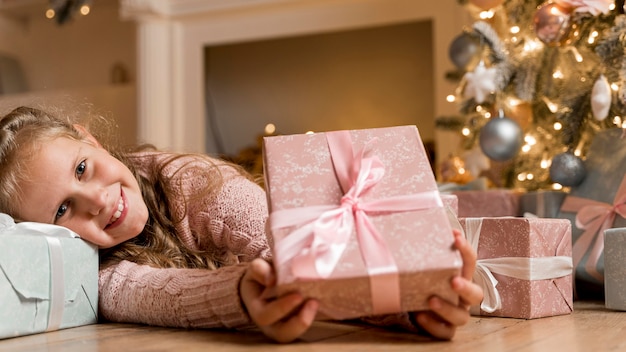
{"x":480,"y":83}
{"x":601,"y":98}
{"x":476,"y":161}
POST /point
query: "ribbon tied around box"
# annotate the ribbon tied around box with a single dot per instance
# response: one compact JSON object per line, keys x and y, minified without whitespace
{"x":51,"y":233}
{"x":594,"y":217}
{"x":323,"y":233}
{"x":524,"y":268}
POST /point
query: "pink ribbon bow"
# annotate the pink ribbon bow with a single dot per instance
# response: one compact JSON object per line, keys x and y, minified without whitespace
{"x":594,"y":217}
{"x":315,"y":248}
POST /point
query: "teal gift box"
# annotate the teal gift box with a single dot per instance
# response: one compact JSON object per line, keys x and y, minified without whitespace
{"x":48,"y":279}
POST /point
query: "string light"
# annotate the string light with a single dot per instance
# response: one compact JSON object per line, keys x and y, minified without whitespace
{"x":485,"y":15}
{"x":270,"y":128}
{"x":63,"y":10}
{"x":450,"y":98}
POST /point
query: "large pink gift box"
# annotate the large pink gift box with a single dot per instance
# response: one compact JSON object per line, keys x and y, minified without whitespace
{"x":524,"y":265}
{"x":356,"y":221}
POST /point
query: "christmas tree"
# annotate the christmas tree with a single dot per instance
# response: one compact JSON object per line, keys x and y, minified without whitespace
{"x":536,"y":81}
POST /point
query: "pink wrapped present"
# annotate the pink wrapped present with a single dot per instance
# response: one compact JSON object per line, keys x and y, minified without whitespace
{"x":451,"y":201}
{"x":489,"y":203}
{"x":357,"y":222}
{"x":524,"y":265}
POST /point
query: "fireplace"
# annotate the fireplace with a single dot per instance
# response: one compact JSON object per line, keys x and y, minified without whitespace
{"x":182,"y":43}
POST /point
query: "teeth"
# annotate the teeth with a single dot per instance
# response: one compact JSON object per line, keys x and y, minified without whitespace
{"x":118,"y":213}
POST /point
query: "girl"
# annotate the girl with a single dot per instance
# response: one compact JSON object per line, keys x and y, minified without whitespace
{"x":182,"y":236}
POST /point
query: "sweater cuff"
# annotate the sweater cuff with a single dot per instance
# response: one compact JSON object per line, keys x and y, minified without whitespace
{"x":218,"y":304}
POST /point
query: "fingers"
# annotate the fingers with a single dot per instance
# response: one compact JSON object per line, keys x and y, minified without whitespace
{"x":287,"y":330}
{"x":452,"y":314}
{"x":434,"y":325}
{"x":467,"y":254}
{"x":469,"y":293}
{"x":284,"y":318}
{"x":261,"y":272}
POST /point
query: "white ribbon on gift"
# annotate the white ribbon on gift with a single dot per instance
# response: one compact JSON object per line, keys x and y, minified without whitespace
{"x":523,"y":268}
{"x":51,"y":233}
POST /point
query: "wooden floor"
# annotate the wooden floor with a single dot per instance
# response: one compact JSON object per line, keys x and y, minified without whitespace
{"x":590,"y":328}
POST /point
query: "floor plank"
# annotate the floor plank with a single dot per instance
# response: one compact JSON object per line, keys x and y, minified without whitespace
{"x":590,"y":328}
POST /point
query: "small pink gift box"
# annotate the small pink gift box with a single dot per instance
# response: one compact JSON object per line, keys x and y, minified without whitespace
{"x":357,"y":222}
{"x":489,"y":203}
{"x":524,"y":265}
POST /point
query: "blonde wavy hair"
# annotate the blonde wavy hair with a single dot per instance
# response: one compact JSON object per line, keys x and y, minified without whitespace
{"x":25,"y":129}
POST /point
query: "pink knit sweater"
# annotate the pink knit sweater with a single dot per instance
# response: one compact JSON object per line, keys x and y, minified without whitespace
{"x":233,"y":222}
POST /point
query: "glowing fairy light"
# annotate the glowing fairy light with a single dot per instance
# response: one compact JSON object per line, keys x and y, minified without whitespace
{"x":450,"y":98}
{"x":270,"y":128}
{"x":617,"y":120}
{"x":614,"y":87}
{"x":485,"y":15}
{"x":530,"y":139}
{"x":84,"y":10}
{"x":557,"y":186}
{"x":514,"y":29}
{"x":530,"y":176}
{"x":521,"y":176}
{"x":465,"y":131}
{"x":50,"y":13}
{"x":526,"y":148}
{"x":488,"y":115}
{"x":545,"y":163}
{"x":557,"y":74}
{"x":557,"y":126}
{"x":592,"y":37}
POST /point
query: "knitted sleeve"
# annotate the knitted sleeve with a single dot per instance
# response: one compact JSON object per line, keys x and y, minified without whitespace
{"x":234,"y":220}
{"x":187,"y":298}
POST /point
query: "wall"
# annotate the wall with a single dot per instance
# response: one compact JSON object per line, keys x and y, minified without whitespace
{"x":374,"y":77}
{"x":70,"y":66}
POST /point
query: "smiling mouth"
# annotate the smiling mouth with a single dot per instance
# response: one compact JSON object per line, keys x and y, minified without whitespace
{"x":118,"y":213}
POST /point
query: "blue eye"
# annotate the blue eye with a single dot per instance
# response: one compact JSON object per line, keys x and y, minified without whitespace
{"x":61,"y":211}
{"x":80,"y":169}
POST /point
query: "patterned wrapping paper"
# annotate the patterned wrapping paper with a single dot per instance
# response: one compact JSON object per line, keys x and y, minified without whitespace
{"x":451,"y":201}
{"x":544,"y":204}
{"x":530,"y":259}
{"x":300,"y":174}
{"x":489,"y":203}
{"x":48,"y":279}
{"x":615,"y":268}
{"x":598,"y":203}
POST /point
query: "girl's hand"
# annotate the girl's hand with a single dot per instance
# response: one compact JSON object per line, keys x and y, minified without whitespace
{"x":283,"y":319}
{"x":444,"y":317}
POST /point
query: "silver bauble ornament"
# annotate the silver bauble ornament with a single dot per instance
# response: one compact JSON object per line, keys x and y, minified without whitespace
{"x":464,"y":50}
{"x":567,"y":169}
{"x":501,"y":138}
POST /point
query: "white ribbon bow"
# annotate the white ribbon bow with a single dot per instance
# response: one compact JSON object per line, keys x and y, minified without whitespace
{"x":524,"y":268}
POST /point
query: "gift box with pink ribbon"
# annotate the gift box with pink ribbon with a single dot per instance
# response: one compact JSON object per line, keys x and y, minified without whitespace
{"x":357,"y":222}
{"x":524,"y":265}
{"x":598,"y":203}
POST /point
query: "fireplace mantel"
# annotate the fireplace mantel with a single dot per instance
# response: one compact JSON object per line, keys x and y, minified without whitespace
{"x":172,"y":35}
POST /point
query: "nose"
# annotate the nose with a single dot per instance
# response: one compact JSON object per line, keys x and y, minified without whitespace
{"x":93,"y":198}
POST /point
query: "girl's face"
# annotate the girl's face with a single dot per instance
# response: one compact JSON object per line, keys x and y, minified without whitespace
{"x":79,"y":185}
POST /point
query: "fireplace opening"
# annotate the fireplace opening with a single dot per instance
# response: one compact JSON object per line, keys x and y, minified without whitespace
{"x":361,"y":78}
